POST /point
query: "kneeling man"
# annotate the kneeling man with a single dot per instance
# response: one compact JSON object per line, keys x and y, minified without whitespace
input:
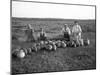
{"x":42,"y":35}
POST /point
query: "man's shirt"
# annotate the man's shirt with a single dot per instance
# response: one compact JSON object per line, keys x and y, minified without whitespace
{"x":42,"y":34}
{"x":66,"y":30}
{"x":76,"y":29}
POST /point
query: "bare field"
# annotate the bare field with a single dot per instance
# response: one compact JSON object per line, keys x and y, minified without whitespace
{"x":64,"y":59}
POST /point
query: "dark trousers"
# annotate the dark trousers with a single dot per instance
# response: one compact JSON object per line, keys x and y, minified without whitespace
{"x":67,"y":36}
{"x":43,"y":37}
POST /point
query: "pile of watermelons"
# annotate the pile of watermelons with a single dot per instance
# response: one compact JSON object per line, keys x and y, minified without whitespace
{"x":49,"y":45}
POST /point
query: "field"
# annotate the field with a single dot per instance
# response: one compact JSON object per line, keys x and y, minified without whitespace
{"x":64,"y":59}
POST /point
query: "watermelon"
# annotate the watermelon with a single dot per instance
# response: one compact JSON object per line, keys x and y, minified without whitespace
{"x":21,"y":54}
{"x":49,"y":47}
{"x":63,"y":44}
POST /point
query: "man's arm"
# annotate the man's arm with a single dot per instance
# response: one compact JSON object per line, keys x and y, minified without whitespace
{"x":80,"y":29}
{"x":69,"y":31}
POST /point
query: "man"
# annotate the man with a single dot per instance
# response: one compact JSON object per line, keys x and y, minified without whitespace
{"x":76,"y":31}
{"x":66,"y":32}
{"x":30,"y":33}
{"x":42,"y":35}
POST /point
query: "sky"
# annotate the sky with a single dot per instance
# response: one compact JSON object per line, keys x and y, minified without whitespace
{"x":46,"y":10}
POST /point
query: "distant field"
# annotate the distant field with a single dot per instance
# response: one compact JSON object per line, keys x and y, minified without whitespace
{"x":54,"y":24}
{"x":64,"y":59}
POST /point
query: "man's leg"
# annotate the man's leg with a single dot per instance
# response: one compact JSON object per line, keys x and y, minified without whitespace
{"x":80,"y":39}
{"x":79,"y":35}
{"x":77,"y":38}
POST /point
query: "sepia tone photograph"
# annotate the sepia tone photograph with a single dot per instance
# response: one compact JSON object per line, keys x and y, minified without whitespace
{"x":52,"y":37}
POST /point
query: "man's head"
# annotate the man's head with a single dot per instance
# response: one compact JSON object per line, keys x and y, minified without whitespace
{"x":65,"y":25}
{"x":41,"y":29}
{"x":75,"y":22}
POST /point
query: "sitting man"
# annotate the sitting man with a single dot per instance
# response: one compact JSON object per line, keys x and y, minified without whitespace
{"x":42,"y":35}
{"x":66,"y":32}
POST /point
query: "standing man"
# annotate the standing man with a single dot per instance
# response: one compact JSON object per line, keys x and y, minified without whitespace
{"x":30,"y":33}
{"x":76,"y":31}
{"x":66,"y":32}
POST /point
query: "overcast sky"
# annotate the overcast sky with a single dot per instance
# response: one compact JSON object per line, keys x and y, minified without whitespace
{"x":44,"y":10}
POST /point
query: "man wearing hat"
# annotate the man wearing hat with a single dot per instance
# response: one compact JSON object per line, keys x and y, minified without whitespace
{"x":66,"y":32}
{"x":76,"y":31}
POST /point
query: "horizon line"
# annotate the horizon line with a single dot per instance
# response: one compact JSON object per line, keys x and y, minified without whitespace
{"x":52,"y":18}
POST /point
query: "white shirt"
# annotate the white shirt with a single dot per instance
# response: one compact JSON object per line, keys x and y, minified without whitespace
{"x":76,"y":29}
{"x":67,"y":29}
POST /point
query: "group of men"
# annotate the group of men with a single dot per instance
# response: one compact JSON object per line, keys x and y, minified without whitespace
{"x":66,"y":31}
{"x":75,"y":31}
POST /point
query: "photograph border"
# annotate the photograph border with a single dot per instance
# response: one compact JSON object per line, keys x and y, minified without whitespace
{"x":51,"y":3}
